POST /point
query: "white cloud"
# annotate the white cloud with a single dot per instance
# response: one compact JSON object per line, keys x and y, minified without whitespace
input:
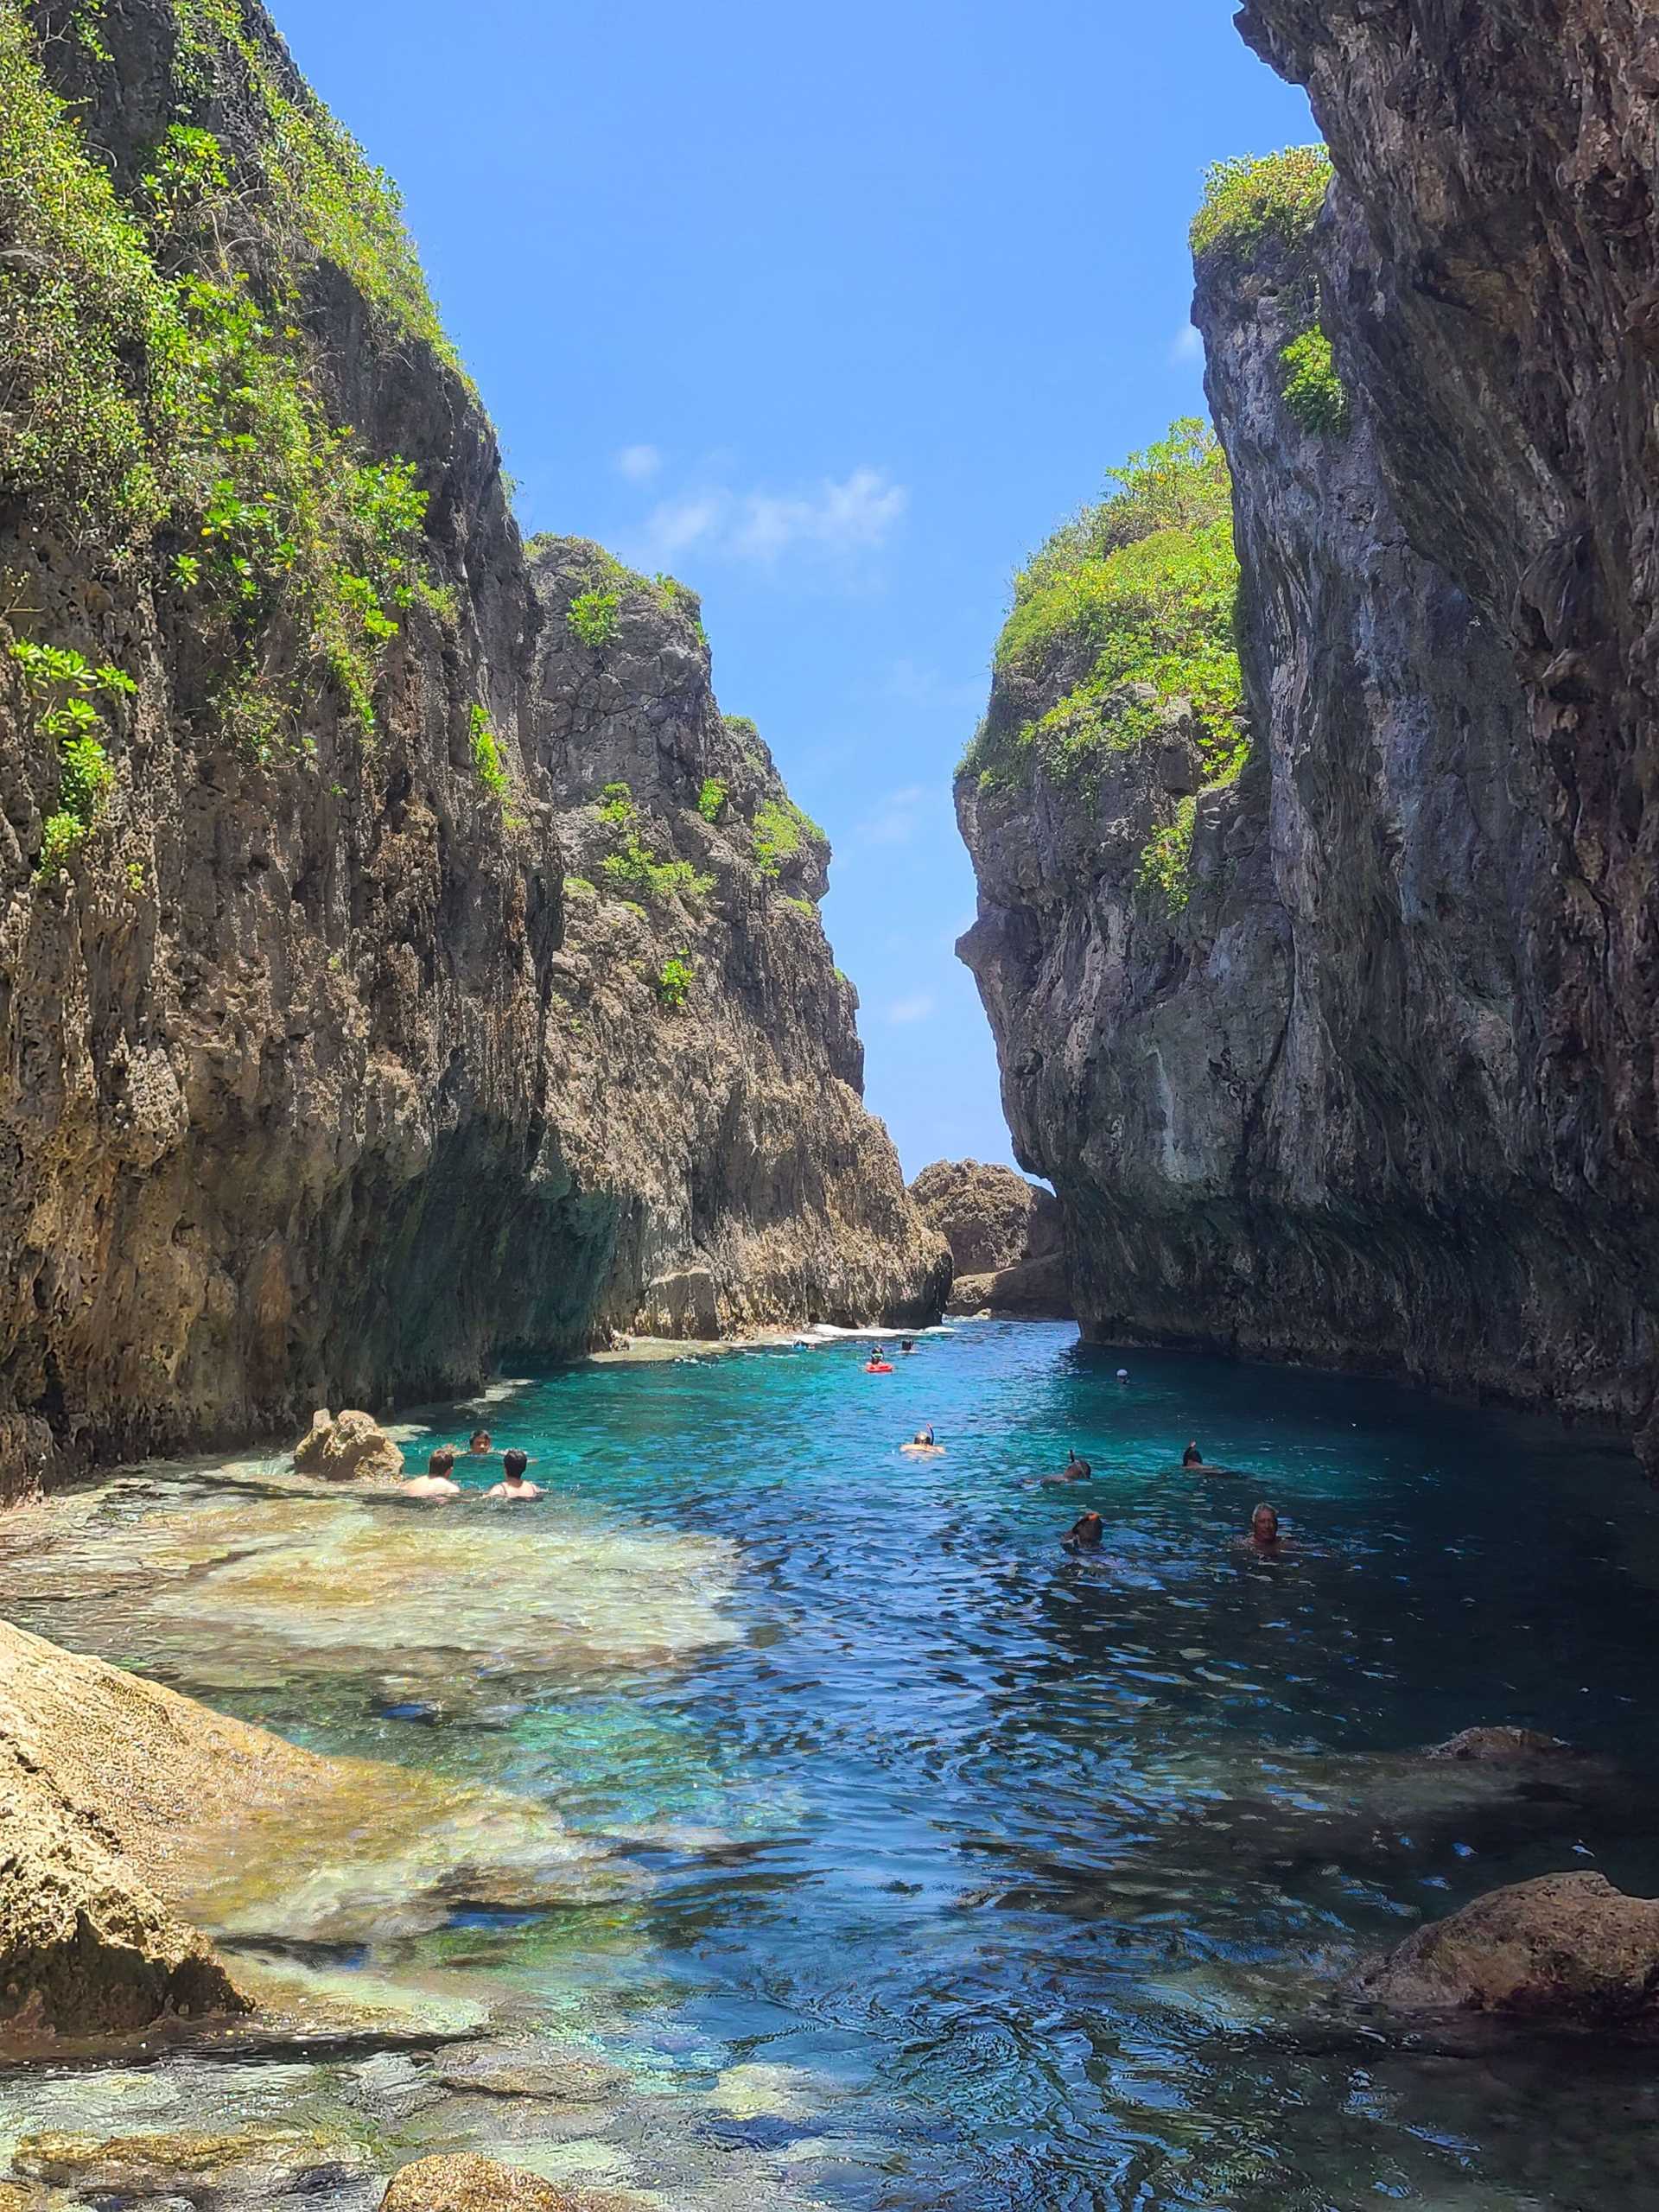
{"x":894,"y":822}
{"x":912,"y":1009}
{"x":842,"y":518}
{"x":1186,"y":347}
{"x":637,"y":463}
{"x":672,"y":525}
{"x":838,"y":520}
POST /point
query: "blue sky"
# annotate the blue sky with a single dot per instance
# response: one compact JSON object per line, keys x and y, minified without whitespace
{"x":833,"y":313}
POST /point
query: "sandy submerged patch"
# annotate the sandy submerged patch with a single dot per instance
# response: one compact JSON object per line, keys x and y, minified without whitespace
{"x":269,"y":1580}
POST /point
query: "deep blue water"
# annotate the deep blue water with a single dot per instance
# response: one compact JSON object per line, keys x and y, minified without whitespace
{"x":1046,"y":1865}
{"x":974,"y":1785}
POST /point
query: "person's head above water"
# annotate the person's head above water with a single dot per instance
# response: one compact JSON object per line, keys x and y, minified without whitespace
{"x":1192,"y":1457}
{"x":514,"y":1464}
{"x":442,"y":1462}
{"x":1264,"y":1525}
{"x":480,"y":1441}
{"x":1088,"y":1529}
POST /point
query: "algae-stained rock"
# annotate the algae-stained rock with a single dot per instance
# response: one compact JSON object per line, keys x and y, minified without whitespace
{"x":352,"y":1446}
{"x":276,"y":2162}
{"x":1501,"y":1745}
{"x":475,"y":2184}
{"x":1568,"y":1949}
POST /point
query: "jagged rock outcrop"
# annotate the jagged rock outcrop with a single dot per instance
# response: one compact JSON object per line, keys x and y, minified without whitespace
{"x":317,"y":1083}
{"x":1381,"y":1092}
{"x":1005,"y":1236}
{"x":1567,"y":1949}
{"x":350,"y":1447}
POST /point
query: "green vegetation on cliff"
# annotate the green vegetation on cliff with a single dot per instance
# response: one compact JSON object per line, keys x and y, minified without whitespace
{"x":1137,"y":592}
{"x":164,"y":403}
{"x":1252,"y":200}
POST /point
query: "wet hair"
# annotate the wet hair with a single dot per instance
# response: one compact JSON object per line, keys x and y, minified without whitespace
{"x":480,"y":1436}
{"x":513,"y":1464}
{"x":1272,"y":1516}
{"x":441,"y":1461}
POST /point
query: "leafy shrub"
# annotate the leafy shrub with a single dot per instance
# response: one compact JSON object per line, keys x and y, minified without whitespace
{"x":674,"y":983}
{"x":487,"y":755}
{"x":593,"y":615}
{"x":781,"y":829}
{"x":1314,"y":391}
{"x":637,"y":869}
{"x":62,"y":685}
{"x":578,"y":887}
{"x":1253,"y":198}
{"x":711,"y":800}
{"x":1165,"y":863}
{"x":616,"y":804}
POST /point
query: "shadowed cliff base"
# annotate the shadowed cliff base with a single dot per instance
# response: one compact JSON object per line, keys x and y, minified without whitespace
{"x":1337,"y":1045}
{"x":402,"y":957}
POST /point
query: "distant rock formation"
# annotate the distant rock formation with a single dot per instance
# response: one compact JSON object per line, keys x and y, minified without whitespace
{"x":1006,"y":1238}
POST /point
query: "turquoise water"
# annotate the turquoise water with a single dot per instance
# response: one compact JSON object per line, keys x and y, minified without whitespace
{"x":982,"y":1875}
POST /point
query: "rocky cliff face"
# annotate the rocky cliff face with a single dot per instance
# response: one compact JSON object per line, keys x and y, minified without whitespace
{"x":318,"y":1081}
{"x":1375,"y":1085}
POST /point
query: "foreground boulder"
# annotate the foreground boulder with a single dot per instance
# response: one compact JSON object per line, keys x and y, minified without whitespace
{"x":86,"y":1945}
{"x":475,"y":2184}
{"x":1569,"y":1949}
{"x":350,"y":1447}
{"x":86,"y":1948}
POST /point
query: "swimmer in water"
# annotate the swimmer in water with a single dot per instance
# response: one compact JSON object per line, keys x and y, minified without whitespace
{"x":512,"y":1483}
{"x":1086,"y":1534}
{"x":481,"y":1447}
{"x":1192,"y":1457}
{"x":907,"y":1343}
{"x":1264,"y":1537}
{"x":1123,"y":1373}
{"x":438,"y":1482}
{"x":924,"y":1441}
{"x":1074,"y":1470}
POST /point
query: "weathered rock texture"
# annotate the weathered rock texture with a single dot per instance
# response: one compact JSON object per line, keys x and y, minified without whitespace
{"x":1005,"y":1236}
{"x":86,"y":1945}
{"x":1384,"y":1093}
{"x":475,"y":2184}
{"x":349,"y":1447}
{"x":1569,"y":1949}
{"x":317,"y":1081}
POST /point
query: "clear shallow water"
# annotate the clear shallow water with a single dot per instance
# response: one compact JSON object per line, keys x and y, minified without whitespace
{"x":958,"y":1870}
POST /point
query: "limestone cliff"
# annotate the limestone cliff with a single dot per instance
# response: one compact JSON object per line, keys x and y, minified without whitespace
{"x":1342,"y":1050}
{"x":318,"y":1080}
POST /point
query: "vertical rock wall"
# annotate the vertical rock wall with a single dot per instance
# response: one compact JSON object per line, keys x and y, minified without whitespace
{"x":301,"y":1094}
{"x":1380,"y":1093}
